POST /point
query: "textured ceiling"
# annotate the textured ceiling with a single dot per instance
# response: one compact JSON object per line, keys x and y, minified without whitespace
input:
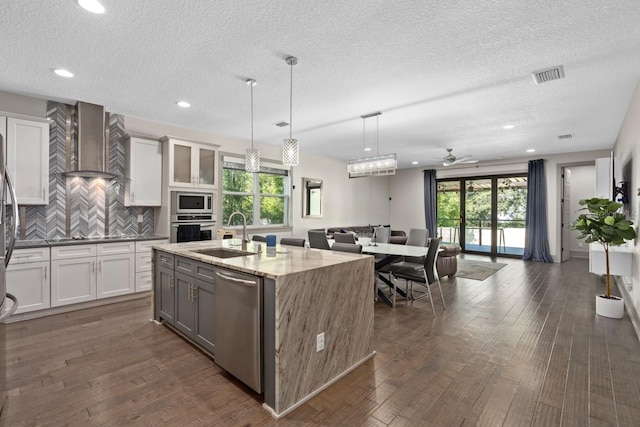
{"x":443,"y":73}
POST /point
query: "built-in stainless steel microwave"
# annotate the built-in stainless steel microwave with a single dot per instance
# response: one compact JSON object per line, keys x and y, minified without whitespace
{"x":183,"y":202}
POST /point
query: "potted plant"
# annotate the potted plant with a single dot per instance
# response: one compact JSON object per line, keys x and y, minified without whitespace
{"x":605,"y":225}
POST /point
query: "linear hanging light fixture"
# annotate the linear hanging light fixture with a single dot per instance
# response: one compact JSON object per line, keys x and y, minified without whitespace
{"x":252,"y":159}
{"x":290,"y":148}
{"x":378,"y":165}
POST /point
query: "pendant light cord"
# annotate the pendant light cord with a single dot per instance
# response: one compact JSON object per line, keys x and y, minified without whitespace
{"x":291,"y":100}
{"x":364,"y":137}
{"x":378,"y":135}
{"x":251,"y":85}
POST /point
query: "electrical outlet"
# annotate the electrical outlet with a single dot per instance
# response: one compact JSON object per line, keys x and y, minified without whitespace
{"x":140,"y":218}
{"x":579,"y":244}
{"x":320,"y":342}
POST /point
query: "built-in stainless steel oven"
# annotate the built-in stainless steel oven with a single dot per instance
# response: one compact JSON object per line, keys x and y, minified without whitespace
{"x":193,"y":229}
{"x":191,"y":203}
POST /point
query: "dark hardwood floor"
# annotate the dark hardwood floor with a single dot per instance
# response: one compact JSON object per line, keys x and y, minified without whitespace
{"x":522,"y":347}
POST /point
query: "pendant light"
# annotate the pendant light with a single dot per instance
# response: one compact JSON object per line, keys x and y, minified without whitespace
{"x":290,"y":149}
{"x":252,"y":159}
{"x":377,"y":165}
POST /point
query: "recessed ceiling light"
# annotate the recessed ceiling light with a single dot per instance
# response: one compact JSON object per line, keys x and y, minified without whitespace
{"x":183,"y":104}
{"x":531,"y":150}
{"x":507,"y":127}
{"x":92,"y":6}
{"x":414,"y":163}
{"x":63,"y":73}
{"x":367,"y":149}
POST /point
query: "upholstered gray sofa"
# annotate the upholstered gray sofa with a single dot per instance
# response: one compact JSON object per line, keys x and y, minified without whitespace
{"x":397,"y":236}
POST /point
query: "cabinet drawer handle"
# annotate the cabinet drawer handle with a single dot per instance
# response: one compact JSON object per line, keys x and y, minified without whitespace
{"x":194,"y":294}
{"x":170,"y":282}
{"x":45,"y":272}
{"x":93,"y":266}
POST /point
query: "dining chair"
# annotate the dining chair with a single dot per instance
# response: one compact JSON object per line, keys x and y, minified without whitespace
{"x":258,"y":238}
{"x":344,"y":238}
{"x":318,"y":239}
{"x":424,"y":274}
{"x":381,"y":235}
{"x":292,"y":241}
{"x":417,"y":237}
{"x":346,"y":247}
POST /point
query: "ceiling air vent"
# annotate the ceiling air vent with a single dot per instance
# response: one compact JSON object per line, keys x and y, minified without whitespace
{"x":567,"y":136}
{"x":281,"y":124}
{"x":548,"y":74}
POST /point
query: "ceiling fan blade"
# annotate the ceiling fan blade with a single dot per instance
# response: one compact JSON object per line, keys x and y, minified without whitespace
{"x":461,"y":158}
{"x":467,"y":161}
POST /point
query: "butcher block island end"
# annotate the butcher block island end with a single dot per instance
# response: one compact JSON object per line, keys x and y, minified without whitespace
{"x":287,"y":322}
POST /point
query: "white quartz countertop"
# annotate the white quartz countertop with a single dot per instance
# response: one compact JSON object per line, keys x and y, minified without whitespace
{"x":282,"y":261}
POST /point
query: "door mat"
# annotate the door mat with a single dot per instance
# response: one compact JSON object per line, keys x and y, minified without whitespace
{"x":477,"y":270}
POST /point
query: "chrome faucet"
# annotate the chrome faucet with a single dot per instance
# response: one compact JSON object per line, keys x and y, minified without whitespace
{"x":245,"y":238}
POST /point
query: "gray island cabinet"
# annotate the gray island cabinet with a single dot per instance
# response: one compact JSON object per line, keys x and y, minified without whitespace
{"x":305,"y":315}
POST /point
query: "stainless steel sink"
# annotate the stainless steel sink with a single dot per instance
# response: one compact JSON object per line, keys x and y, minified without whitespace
{"x":222,"y":252}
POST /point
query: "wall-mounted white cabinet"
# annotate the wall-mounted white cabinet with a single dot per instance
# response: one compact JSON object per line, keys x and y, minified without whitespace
{"x":27,"y":152}
{"x":620,"y":260}
{"x":191,"y":164}
{"x":144,"y":170}
{"x":28,"y":279}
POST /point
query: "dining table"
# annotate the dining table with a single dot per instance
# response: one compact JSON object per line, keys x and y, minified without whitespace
{"x":386,"y":254}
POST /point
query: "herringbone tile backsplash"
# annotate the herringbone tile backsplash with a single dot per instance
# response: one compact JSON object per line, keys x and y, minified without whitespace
{"x":96,"y":206}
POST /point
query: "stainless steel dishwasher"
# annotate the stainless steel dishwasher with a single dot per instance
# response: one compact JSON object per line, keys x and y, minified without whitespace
{"x":238,"y":326}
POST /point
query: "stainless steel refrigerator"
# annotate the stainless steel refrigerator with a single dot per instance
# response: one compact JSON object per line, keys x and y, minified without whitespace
{"x":8,"y":303}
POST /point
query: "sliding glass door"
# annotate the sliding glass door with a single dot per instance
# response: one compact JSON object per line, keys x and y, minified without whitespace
{"x":485,"y":215}
{"x":448,"y":211}
{"x":476,"y":220}
{"x":511,"y":212}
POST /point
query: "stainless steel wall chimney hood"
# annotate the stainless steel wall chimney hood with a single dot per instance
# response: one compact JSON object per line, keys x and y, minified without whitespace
{"x":92,"y":149}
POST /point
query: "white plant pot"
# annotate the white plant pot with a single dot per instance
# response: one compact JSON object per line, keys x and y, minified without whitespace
{"x":613,"y":307}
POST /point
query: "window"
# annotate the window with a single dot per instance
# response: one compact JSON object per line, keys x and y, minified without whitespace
{"x":262,"y":197}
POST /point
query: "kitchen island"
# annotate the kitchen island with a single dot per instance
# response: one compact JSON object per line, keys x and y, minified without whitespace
{"x":317,"y":311}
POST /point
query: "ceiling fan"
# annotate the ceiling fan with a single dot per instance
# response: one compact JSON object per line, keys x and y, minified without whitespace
{"x":450,"y":159}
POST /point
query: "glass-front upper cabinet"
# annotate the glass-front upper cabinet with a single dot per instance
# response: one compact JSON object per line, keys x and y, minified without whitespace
{"x":191,"y":164}
{"x":207,"y":166}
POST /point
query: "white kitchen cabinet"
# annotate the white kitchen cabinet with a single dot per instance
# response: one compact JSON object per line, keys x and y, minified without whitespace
{"x":116,"y":269}
{"x":116,"y":275}
{"x":191,"y":164}
{"x":28,"y":279}
{"x":144,"y":169}
{"x":28,"y":159}
{"x":87,"y":272}
{"x":144,"y":264}
{"x":73,"y":280}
